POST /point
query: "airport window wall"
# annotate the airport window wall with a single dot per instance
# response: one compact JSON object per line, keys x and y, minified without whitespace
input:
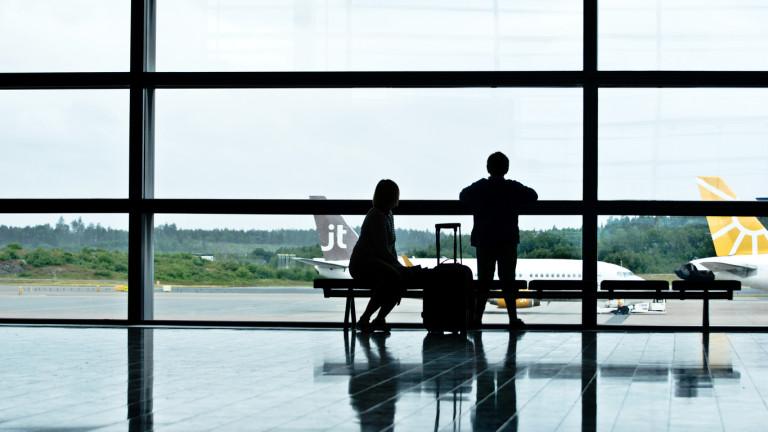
{"x":174,"y":168}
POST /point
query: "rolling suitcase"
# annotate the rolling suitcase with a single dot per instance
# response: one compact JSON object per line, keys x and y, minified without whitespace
{"x":448,"y":301}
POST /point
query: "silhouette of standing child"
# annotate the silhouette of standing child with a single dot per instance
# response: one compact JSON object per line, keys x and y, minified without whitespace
{"x":495,"y":233}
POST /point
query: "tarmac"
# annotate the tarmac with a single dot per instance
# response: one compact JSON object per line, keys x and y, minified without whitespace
{"x":296,"y":304}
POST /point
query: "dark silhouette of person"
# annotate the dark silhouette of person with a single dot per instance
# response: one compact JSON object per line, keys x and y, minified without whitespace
{"x":495,"y":233}
{"x":496,"y":401}
{"x":446,"y":372}
{"x":373,"y":391}
{"x":374,"y":258}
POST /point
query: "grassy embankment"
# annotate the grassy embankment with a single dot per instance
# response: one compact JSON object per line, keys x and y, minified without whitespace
{"x":98,"y":267}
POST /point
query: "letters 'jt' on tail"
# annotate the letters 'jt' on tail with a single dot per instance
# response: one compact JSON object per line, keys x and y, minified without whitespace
{"x":337,"y":239}
{"x":732,"y":235}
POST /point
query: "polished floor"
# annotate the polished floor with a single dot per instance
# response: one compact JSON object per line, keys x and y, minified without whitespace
{"x":116,"y":379}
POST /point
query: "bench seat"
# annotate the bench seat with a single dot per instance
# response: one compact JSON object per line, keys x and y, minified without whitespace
{"x":554,"y":290}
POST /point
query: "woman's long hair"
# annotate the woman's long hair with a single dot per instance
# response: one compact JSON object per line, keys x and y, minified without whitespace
{"x":387,"y":195}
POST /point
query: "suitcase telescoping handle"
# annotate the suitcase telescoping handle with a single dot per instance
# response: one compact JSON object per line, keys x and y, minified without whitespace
{"x":457,"y":255}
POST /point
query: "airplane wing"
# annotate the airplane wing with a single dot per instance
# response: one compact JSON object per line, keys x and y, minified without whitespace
{"x":314,"y":262}
{"x":735,"y":269}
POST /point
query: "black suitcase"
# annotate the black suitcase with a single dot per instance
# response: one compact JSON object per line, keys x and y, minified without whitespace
{"x":448,"y":301}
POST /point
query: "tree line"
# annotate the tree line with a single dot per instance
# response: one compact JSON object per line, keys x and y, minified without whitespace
{"x":648,"y":244}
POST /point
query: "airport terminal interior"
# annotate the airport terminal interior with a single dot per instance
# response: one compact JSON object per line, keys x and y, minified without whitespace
{"x":183,"y":184}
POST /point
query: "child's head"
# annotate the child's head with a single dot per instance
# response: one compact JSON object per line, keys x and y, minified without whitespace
{"x":498,"y":164}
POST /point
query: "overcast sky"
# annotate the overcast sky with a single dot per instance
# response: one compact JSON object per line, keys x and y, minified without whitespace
{"x":338,"y":143}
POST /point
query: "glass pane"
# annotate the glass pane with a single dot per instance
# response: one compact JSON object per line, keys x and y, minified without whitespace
{"x":241,"y":268}
{"x":683,"y":144}
{"x":338,"y":35}
{"x":683,"y":35}
{"x":549,"y":249}
{"x":64,"y":36}
{"x":64,"y":144}
{"x":658,"y":248}
{"x":340,"y":142}
{"x":64,"y":266}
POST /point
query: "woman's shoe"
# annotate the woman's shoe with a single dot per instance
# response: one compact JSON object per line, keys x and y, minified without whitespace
{"x":516,"y":324}
{"x":364,"y":327}
{"x":382,"y":326}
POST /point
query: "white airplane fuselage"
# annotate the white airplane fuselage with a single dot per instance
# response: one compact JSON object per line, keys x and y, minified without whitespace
{"x":527,"y":269}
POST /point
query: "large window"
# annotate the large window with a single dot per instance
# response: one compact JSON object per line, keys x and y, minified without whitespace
{"x":186,"y":145}
{"x":64,"y":36}
{"x":339,"y":142}
{"x":63,"y":266}
{"x":683,"y":35}
{"x":657,"y":144}
{"x":658,"y":248}
{"x":64,"y":144}
{"x":261,"y":267}
{"x":310,"y":35}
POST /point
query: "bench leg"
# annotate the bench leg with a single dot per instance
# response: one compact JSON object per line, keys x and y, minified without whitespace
{"x":346,"y":314}
{"x":705,"y":314}
{"x":352,"y":311}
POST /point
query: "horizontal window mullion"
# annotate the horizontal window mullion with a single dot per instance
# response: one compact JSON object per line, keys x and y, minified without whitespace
{"x":63,"y":205}
{"x":66,"y":80}
{"x":407,"y":207}
{"x":683,"y":208}
{"x":455,"y":79}
{"x":362,"y":79}
{"x":681,"y":79}
{"x":382,"y":79}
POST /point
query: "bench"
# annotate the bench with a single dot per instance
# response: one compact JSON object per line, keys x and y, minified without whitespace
{"x":351,"y":289}
{"x":680,"y":290}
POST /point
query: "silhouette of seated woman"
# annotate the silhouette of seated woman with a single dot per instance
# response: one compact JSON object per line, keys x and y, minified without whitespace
{"x":374,"y":258}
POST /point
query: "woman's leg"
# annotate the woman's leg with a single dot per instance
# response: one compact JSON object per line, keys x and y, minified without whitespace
{"x":385,"y":308}
{"x":366,"y":273}
{"x":373,"y":305}
{"x":387,"y":292}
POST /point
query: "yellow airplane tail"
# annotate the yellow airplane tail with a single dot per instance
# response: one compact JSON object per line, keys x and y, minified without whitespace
{"x":732,"y":235}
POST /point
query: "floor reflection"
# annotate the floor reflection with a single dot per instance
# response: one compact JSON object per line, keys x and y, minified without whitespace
{"x":456,"y":373}
{"x":140,"y":379}
{"x":373,"y":387}
{"x":496,"y":397}
{"x":221,"y":379}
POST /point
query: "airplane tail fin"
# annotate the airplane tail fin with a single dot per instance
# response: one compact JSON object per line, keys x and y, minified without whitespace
{"x":337,"y":239}
{"x":732,"y":235}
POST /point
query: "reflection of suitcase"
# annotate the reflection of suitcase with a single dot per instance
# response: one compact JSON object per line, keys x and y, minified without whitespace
{"x":448,"y":300}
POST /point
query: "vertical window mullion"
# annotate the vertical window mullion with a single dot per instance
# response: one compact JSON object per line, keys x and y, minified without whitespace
{"x":141,"y":171}
{"x":589,"y":225}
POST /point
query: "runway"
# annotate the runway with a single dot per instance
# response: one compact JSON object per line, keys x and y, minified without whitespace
{"x":295,"y":304}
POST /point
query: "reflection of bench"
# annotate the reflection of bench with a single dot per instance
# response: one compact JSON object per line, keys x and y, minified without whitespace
{"x":681,"y":290}
{"x":352,"y":289}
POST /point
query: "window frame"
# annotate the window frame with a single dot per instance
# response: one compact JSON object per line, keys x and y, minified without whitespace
{"x":142,"y":81}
